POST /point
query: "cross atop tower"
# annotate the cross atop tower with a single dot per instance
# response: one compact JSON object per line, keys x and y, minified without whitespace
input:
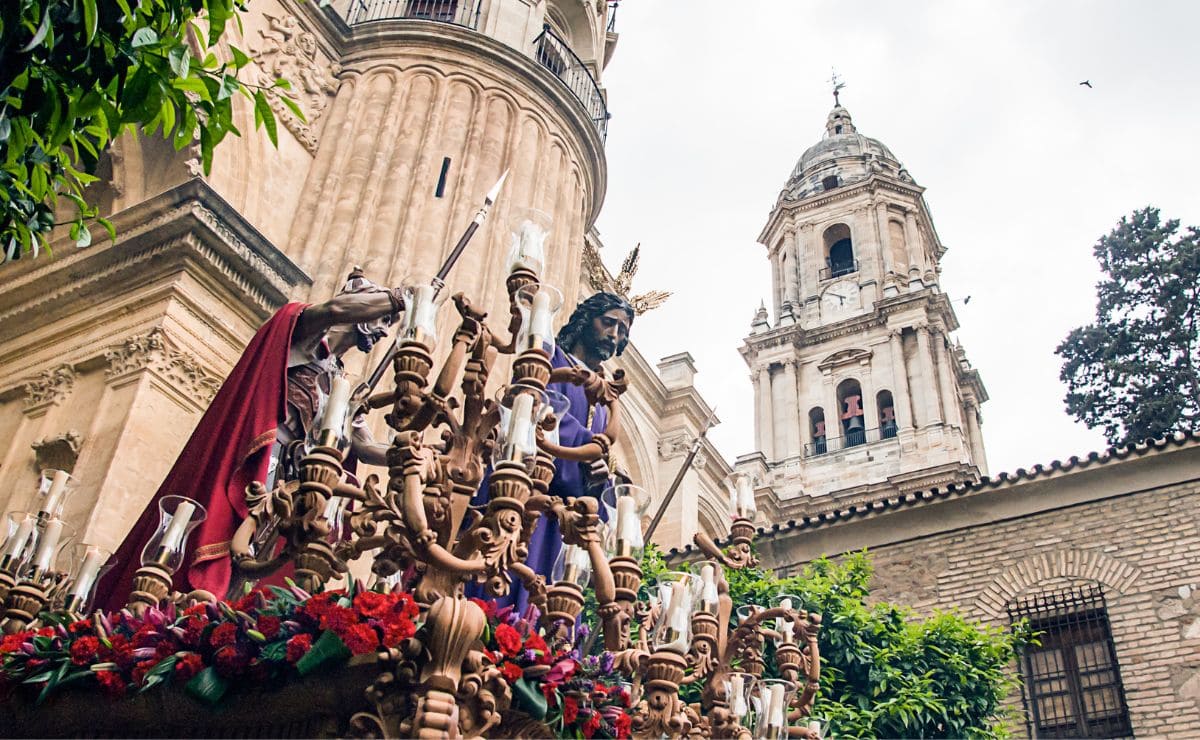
{"x":837,"y":83}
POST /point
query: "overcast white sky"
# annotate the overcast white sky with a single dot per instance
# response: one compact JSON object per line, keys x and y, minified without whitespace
{"x":713,"y":102}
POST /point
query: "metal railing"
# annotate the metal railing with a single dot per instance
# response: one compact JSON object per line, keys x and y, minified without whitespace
{"x":825,"y":445}
{"x":458,"y":12}
{"x":842,"y":268}
{"x":555,"y":55}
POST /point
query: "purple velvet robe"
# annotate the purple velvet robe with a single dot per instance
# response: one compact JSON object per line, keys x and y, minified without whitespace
{"x":570,"y":479}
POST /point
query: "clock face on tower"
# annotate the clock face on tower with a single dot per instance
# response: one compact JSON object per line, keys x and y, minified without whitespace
{"x":839,"y":300}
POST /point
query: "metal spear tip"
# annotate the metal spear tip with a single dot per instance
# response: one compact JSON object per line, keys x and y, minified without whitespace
{"x":495,"y":191}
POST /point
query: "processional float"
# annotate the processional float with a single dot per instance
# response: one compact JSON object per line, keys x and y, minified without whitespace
{"x":423,"y":535}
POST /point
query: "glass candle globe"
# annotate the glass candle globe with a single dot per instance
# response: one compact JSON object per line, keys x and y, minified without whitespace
{"x":557,"y":405}
{"x":624,"y":505}
{"x":741,"y":495}
{"x":774,"y":698}
{"x":739,"y":690}
{"x":332,"y":422}
{"x":91,"y":562}
{"x":177,"y":517}
{"x":573,"y":565}
{"x":677,"y":594}
{"x":421,"y":303}
{"x":19,"y":542}
{"x":527,"y":250}
{"x":53,"y":489}
{"x":521,"y":406}
{"x":538,"y":305}
{"x":52,"y":537}
{"x":784,"y":626}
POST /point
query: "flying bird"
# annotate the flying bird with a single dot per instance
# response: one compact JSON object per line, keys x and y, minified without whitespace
{"x":1086,"y":82}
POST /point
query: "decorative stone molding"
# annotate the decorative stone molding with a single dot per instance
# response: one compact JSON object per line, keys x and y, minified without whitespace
{"x":675,"y":445}
{"x":154,"y":351}
{"x":59,"y":452}
{"x":48,"y":387}
{"x":289,"y":51}
{"x":1077,"y":564}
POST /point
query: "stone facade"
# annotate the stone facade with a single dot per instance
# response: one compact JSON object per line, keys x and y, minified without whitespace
{"x":113,"y":352}
{"x":859,"y":389}
{"x":1127,"y":521}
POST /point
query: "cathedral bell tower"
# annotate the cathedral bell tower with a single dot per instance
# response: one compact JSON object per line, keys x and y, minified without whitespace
{"x":860,"y":391}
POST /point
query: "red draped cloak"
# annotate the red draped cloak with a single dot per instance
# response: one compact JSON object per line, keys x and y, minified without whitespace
{"x":230,"y":448}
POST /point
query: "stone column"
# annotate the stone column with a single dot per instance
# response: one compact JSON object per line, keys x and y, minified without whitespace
{"x":946,"y":380}
{"x":792,"y":409}
{"x":833,"y":415}
{"x":885,"y":239}
{"x":973,"y":428}
{"x":870,"y":407}
{"x":928,"y":381}
{"x":792,"y":264}
{"x":776,"y":285}
{"x":810,"y":257}
{"x":916,"y":251}
{"x":766,"y":426}
{"x":901,"y":395}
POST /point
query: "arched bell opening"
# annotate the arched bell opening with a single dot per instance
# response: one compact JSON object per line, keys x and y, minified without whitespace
{"x":816,"y":429}
{"x":854,"y":428}
{"x":839,"y":252}
{"x":887,"y":415}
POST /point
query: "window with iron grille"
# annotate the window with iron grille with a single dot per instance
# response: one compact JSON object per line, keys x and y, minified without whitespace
{"x":1072,"y":685}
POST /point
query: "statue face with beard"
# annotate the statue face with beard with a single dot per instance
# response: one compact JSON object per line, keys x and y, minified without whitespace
{"x":598,"y":329}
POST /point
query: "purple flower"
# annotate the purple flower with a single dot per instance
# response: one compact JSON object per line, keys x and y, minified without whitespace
{"x":27,"y":648}
{"x":582,"y":631}
{"x":143,"y":653}
{"x":606,"y":662}
{"x":532,"y":614}
{"x":530,"y":655}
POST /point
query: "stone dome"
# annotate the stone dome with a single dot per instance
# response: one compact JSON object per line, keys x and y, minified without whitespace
{"x":842,"y":157}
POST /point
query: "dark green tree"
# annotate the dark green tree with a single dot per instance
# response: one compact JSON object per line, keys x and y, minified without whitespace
{"x":1135,"y":371}
{"x":886,"y":671}
{"x":74,"y":74}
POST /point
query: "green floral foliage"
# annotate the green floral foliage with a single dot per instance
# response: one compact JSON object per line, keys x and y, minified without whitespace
{"x":74,"y":74}
{"x":886,"y":671}
{"x":1135,"y":371}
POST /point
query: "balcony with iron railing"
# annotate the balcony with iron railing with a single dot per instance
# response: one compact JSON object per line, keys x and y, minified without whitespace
{"x":457,"y":12}
{"x":837,"y":269}
{"x":555,"y":55}
{"x":853,"y":438}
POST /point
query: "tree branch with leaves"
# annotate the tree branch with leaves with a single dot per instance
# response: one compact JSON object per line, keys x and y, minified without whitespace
{"x":1135,"y":371}
{"x":76,"y":74}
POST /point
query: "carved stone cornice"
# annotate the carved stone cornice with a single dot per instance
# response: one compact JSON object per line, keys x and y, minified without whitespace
{"x":59,"y":452}
{"x":188,"y":228}
{"x":154,"y":351}
{"x":289,"y":50}
{"x":49,"y":387}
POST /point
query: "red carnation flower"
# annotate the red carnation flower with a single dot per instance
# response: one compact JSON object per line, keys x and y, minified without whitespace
{"x":141,"y":669}
{"x":223,"y":635}
{"x":13,"y":643}
{"x":549,"y":690}
{"x":165,"y":648}
{"x":395,"y":632}
{"x":298,"y":646}
{"x":623,"y":725}
{"x":511,"y":672}
{"x":338,"y":619}
{"x":112,"y":682}
{"x":146,"y":636}
{"x":269,"y":626}
{"x":46,"y":632}
{"x":230,"y":661}
{"x":196,"y":610}
{"x":81,"y":627}
{"x":360,"y":638}
{"x":188,"y":666}
{"x":370,"y":604}
{"x":570,"y":710}
{"x":193,"y":630}
{"x":591,"y":725}
{"x":508,"y":639}
{"x":407,"y":605}
{"x":488,"y":607}
{"x":535,"y":642}
{"x":83,"y":650}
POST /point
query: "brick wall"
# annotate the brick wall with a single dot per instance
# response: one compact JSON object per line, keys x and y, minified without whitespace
{"x":1142,"y":548}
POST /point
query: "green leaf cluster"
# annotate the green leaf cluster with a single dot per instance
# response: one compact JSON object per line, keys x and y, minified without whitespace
{"x":1135,"y":371}
{"x":886,"y":671}
{"x":75,"y":74}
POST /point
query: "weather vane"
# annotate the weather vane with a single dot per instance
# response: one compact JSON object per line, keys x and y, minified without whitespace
{"x":837,"y":83}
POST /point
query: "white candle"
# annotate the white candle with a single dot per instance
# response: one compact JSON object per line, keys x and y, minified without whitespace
{"x":782,"y":623}
{"x":48,"y":544}
{"x":539,"y":319}
{"x":334,"y":418}
{"x":708,"y":588}
{"x":519,"y":426}
{"x":737,"y":699}
{"x":529,"y":251}
{"x":92,"y":562}
{"x":173,"y":539}
{"x":775,"y":713}
{"x":575,"y":562}
{"x":629,"y":529}
{"x":745,"y":491}
{"x":677,"y":618}
{"x":58,"y":487}
{"x":16,"y":544}
{"x":814,"y":728}
{"x":422,"y":313}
